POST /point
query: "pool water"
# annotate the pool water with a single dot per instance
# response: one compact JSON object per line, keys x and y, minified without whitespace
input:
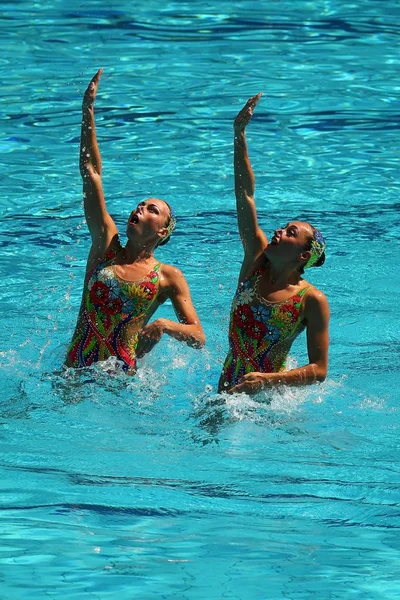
{"x":150,"y":487}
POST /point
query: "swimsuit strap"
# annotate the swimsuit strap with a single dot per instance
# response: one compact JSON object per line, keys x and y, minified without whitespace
{"x":257,"y":273}
{"x":108,"y":259}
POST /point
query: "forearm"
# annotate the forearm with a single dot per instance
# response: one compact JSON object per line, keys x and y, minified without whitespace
{"x":244,"y":176}
{"x":306,"y":375}
{"x":89,"y":149}
{"x":191,"y":334}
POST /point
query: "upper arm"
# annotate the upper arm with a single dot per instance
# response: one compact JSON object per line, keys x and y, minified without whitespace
{"x":177,"y":290}
{"x":100,"y":224}
{"x":253,"y":238}
{"x":317,"y":321}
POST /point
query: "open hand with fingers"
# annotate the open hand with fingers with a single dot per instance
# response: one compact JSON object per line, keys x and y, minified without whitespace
{"x":243,"y":118}
{"x":91,"y":90}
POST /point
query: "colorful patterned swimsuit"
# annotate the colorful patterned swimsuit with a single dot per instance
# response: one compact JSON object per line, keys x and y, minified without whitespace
{"x":260,"y":332}
{"x":113,"y":312}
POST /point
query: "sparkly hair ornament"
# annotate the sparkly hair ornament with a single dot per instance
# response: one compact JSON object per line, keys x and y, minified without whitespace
{"x":171,"y":224}
{"x":317,"y":248}
{"x":170,"y":227}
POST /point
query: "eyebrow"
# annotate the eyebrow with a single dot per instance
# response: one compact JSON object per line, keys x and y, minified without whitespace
{"x":151,"y":204}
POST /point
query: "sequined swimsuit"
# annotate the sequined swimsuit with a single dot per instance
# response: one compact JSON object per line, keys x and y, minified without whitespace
{"x":112,"y":313}
{"x":260,"y":332}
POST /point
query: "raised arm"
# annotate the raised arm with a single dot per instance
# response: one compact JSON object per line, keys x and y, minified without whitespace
{"x":187,"y":329}
{"x":253,"y":239}
{"x":101,"y":226}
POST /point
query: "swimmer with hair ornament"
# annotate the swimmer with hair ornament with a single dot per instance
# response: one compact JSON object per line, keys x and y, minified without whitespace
{"x":273,"y":304}
{"x":124,"y":285}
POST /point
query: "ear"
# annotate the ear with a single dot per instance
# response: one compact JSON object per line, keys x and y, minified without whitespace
{"x":305,"y":256}
{"x":162,"y":233}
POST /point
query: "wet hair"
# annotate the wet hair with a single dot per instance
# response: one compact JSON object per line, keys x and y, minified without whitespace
{"x":170,"y":225}
{"x":315,"y":237}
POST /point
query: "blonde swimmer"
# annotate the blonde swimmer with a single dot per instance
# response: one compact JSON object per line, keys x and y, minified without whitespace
{"x":124,"y":285}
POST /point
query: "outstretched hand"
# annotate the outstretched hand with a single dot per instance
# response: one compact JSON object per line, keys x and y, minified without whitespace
{"x":244,"y":116}
{"x":91,"y":90}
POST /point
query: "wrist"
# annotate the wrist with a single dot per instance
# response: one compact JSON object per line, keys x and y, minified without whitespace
{"x":163,"y":325}
{"x":272,"y":379}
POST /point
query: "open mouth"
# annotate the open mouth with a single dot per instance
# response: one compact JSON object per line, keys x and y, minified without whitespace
{"x":134,"y":220}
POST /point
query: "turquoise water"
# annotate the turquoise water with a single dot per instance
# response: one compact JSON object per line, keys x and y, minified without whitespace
{"x":147,"y":488}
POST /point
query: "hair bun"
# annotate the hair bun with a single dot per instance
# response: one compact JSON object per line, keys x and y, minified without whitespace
{"x":320,"y":261}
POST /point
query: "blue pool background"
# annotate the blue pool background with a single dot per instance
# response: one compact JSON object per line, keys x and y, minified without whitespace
{"x":147,"y":488}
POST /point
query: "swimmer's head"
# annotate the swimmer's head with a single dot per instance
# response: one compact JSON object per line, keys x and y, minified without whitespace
{"x":298,"y":244}
{"x":316,"y":246}
{"x":152,"y":221}
{"x":170,"y":226}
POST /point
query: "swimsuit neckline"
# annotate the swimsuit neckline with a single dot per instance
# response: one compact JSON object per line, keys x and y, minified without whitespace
{"x":155,"y":267}
{"x":275,"y":302}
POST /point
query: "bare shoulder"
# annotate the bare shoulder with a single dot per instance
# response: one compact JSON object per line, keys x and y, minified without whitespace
{"x":314,"y":294}
{"x":171,"y":277}
{"x":315,"y":302}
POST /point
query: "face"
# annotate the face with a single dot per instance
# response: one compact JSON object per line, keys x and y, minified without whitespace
{"x":148,"y":219}
{"x":289,"y":243}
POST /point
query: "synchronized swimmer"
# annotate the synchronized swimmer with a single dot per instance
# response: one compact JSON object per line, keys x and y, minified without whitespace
{"x":124,"y":285}
{"x":273,"y":304}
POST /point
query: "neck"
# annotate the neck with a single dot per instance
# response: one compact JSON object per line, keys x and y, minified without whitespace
{"x":138,"y":253}
{"x":283,"y":275}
